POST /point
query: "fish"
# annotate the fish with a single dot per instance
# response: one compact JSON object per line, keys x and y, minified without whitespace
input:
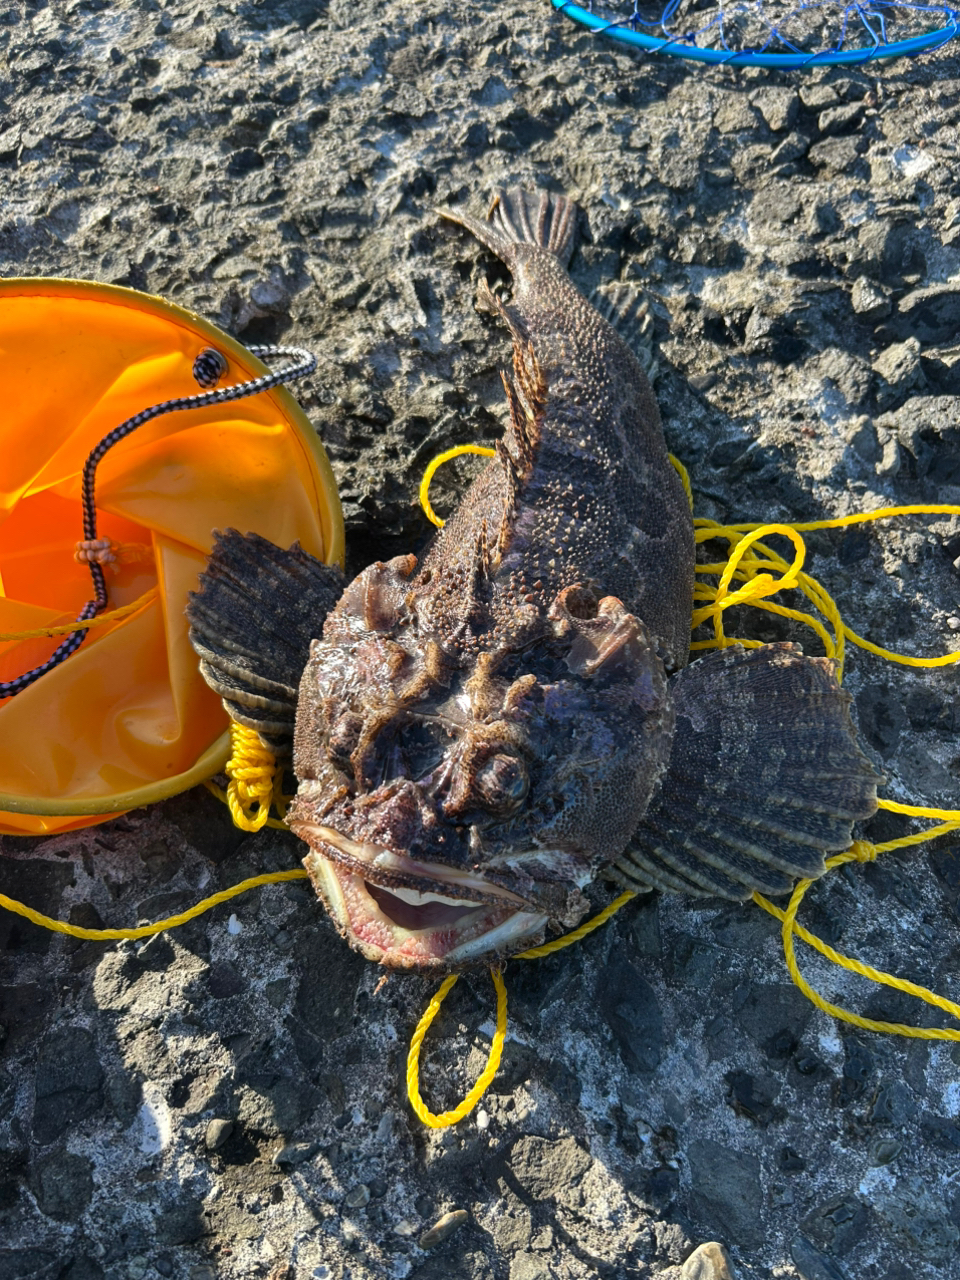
{"x":480,"y":734}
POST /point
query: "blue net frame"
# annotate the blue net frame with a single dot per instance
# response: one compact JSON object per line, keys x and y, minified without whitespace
{"x":864,"y":21}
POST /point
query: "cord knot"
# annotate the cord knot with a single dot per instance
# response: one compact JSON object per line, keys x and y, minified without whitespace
{"x":100,"y":551}
{"x":864,"y":851}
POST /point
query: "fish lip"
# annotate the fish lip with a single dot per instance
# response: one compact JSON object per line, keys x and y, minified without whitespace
{"x":387,"y":869}
{"x":493,"y":923}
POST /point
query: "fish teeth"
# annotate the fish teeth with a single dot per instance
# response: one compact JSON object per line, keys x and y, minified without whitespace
{"x":375,"y":858}
{"x":417,"y":899}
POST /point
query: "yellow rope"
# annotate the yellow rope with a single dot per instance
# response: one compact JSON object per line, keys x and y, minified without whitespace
{"x":762,"y":573}
{"x":148,"y":930}
{"x":65,"y":629}
{"x":484,"y":1080}
{"x":684,"y":475}
{"x":255,"y":781}
{"x":447,"y":1118}
{"x":862,"y":851}
{"x":434,"y":466}
{"x":748,"y":570}
{"x":579,"y":933}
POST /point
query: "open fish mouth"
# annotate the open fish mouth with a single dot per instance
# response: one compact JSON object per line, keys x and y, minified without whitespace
{"x":414,"y":915}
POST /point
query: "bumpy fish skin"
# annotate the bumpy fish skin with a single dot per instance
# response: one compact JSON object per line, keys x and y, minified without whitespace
{"x":584,"y":491}
{"x":504,"y":710}
{"x":479,"y":737}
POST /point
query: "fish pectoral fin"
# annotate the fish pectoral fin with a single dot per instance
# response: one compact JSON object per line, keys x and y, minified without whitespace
{"x":765,"y":777}
{"x":625,"y":306}
{"x":251,"y":623}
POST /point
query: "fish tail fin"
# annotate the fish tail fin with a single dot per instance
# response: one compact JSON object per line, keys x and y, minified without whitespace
{"x":523,"y":217}
{"x":765,"y":777}
{"x":251,"y":623}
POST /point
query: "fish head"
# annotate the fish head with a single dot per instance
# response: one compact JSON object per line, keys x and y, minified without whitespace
{"x":457,"y":801}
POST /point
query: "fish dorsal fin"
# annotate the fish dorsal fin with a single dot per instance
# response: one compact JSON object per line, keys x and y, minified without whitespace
{"x":626,"y":307}
{"x":527,"y":397}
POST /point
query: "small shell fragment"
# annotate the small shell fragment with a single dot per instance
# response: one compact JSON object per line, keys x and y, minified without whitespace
{"x":443,"y":1228}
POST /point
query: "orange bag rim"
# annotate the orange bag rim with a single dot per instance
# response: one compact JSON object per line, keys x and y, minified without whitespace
{"x":326,"y":500}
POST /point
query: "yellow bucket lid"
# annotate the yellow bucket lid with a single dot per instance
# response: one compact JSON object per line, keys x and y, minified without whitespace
{"x":127,"y":719}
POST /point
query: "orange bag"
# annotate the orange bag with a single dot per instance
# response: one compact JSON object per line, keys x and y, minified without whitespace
{"x":127,"y":718}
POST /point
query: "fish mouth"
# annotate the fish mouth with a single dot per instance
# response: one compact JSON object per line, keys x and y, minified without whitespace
{"x":414,"y":915}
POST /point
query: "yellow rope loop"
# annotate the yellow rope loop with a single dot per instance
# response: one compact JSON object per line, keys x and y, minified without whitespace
{"x":790,"y":927}
{"x":102,"y":619}
{"x":864,"y":851}
{"x":435,"y":465}
{"x":447,"y":1118}
{"x":485,"y":1079}
{"x":707,"y":529}
{"x":254,"y":778}
{"x":756,"y":585}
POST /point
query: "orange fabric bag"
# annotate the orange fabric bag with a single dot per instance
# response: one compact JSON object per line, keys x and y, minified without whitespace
{"x":127,"y":718}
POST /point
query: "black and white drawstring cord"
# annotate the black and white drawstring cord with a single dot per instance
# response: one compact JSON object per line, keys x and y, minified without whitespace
{"x":208,"y":368}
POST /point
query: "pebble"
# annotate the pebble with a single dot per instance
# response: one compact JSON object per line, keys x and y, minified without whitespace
{"x":885,"y":1151}
{"x":358,"y":1197}
{"x":814,"y":1265}
{"x":816,"y":96}
{"x":835,"y":155}
{"x":899,"y":366}
{"x":840,"y":119}
{"x":217,"y":1133}
{"x":530,"y":1266}
{"x":777,"y":106}
{"x":293,"y":1154}
{"x":708,"y":1261}
{"x":869,"y":299}
{"x":443,"y":1228}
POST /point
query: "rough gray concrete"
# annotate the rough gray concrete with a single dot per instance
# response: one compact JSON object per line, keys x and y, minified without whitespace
{"x":227,"y":1100}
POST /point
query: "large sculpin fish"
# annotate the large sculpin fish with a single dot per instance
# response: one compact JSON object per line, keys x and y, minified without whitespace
{"x":478,"y":736}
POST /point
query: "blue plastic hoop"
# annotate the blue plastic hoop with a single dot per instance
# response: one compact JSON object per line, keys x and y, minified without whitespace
{"x":678,"y":47}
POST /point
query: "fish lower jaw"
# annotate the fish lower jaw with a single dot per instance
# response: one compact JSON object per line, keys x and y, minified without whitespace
{"x":404,"y":928}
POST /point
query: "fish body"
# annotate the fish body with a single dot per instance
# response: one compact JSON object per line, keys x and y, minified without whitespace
{"x":479,"y":736}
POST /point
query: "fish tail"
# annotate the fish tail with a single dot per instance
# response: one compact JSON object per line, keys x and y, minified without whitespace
{"x":251,"y":624}
{"x":765,"y":777}
{"x":523,"y":217}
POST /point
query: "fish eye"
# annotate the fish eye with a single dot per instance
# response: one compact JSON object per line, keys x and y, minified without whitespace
{"x":502,"y":782}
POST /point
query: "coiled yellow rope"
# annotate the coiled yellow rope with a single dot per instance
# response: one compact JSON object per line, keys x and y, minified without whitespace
{"x":435,"y":466}
{"x":255,"y":782}
{"x":447,"y":1118}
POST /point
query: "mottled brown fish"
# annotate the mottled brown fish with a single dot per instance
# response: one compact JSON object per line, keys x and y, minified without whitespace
{"x":480,"y":735}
